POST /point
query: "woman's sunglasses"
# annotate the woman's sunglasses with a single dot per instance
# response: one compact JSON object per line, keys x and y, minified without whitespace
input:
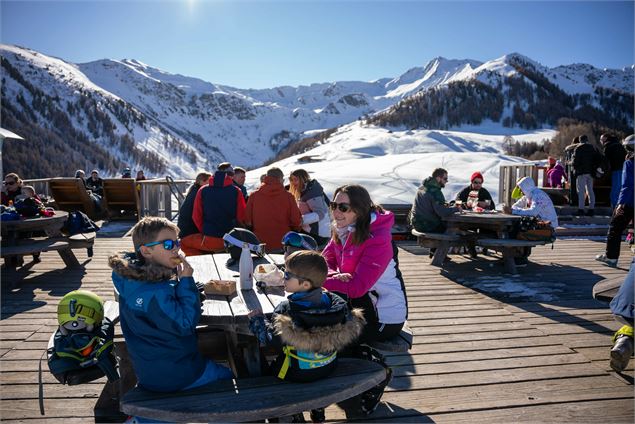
{"x":167,"y":244}
{"x":342,"y":207}
{"x":289,"y":275}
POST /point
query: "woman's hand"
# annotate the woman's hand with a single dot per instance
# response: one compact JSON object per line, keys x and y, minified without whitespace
{"x":184,"y":269}
{"x":343,"y":277}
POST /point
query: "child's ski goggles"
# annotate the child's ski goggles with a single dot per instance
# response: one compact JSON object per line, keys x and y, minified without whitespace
{"x":296,"y":240}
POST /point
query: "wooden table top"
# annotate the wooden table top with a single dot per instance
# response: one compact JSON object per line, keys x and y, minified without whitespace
{"x":482,"y":217}
{"x":54,"y":222}
{"x":232,"y":310}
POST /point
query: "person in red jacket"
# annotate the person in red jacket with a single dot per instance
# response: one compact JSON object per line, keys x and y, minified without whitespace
{"x":218,"y":207}
{"x":272,"y":211}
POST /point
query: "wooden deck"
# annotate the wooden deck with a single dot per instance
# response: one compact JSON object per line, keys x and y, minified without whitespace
{"x":488,"y":347}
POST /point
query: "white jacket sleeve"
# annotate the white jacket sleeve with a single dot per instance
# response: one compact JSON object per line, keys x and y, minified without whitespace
{"x":310,"y":218}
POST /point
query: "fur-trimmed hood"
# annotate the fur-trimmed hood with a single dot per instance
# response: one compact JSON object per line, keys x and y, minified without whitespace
{"x":127,"y":265}
{"x":323,"y":339}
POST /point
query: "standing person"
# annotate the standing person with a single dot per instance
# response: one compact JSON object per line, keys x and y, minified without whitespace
{"x":191,"y":237}
{"x":363,"y":263}
{"x":239,"y":180}
{"x":585,"y":161}
{"x":615,"y":154}
{"x":475,"y":194}
{"x":218,"y":207}
{"x":429,"y":206}
{"x":555,"y":173}
{"x":95,"y":184}
{"x":623,"y":212}
{"x":272,"y":211}
{"x":140,"y":176}
{"x":160,"y":307}
{"x":312,"y":203}
{"x":622,"y":308}
{"x":568,"y":152}
{"x":11,"y":188}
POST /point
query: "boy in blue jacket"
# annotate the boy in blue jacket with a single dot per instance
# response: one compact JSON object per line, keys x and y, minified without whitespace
{"x":159,"y":311}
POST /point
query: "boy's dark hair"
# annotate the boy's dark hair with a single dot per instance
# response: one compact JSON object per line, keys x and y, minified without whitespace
{"x":310,"y":265}
{"x":439,"y":172}
{"x":147,"y":230}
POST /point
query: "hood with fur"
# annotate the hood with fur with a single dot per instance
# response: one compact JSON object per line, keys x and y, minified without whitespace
{"x":320,"y":339}
{"x":128,"y":265}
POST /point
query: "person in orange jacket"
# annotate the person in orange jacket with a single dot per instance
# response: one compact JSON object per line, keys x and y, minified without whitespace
{"x":272,"y":211}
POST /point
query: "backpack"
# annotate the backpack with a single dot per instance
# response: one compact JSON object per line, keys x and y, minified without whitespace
{"x":532,"y":229}
{"x":78,"y":222}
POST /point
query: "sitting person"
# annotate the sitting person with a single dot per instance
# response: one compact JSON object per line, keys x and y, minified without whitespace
{"x":81,"y":175}
{"x":310,"y":326}
{"x":126,"y":173}
{"x":622,"y":308}
{"x":534,"y":202}
{"x":28,"y":203}
{"x":555,"y":173}
{"x":363,"y":263}
{"x":313,"y":205}
{"x":191,"y":237}
{"x":429,"y":206}
{"x":219,"y":206}
{"x":11,"y":188}
{"x":268,"y":222}
{"x":160,"y":310}
{"x":140,"y":176}
{"x":94,"y":183}
{"x":239,"y":181}
{"x":475,"y":194}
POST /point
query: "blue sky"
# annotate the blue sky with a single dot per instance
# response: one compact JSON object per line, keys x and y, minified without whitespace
{"x":257,"y":44}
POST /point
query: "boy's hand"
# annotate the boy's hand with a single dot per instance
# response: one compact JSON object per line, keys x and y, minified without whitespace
{"x":344,"y":277}
{"x":254,"y":313}
{"x":184,"y":269}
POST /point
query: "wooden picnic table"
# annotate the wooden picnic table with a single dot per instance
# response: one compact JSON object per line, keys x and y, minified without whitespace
{"x":494,"y":221}
{"x":229,"y":313}
{"x":14,"y":246}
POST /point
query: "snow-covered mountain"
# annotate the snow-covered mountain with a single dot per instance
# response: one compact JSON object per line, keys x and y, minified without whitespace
{"x":109,"y":114}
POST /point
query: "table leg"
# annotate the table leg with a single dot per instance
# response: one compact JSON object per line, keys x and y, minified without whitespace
{"x":244,"y":355}
{"x":68,"y":257}
{"x":508,"y":258}
{"x":441,"y":253}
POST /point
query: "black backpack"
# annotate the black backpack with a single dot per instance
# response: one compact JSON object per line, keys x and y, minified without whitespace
{"x":78,"y":223}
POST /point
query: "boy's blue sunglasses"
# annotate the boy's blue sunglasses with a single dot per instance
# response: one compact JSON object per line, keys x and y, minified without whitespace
{"x":167,"y":244}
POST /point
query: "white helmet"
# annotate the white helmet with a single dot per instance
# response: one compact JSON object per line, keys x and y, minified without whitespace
{"x":629,"y":142}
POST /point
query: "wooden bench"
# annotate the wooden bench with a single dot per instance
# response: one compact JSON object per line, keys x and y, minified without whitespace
{"x":256,"y":398}
{"x":510,"y":248}
{"x":81,"y":240}
{"x":29,"y":247}
{"x":70,"y":195}
{"x":439,"y":241}
{"x":401,"y":343}
{"x":121,"y":198}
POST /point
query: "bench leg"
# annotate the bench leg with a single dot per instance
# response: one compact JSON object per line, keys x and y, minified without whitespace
{"x":508,"y":258}
{"x":69,"y":258}
{"x":441,"y":253}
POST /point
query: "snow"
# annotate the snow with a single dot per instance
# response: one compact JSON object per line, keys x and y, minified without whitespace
{"x":391,"y":165}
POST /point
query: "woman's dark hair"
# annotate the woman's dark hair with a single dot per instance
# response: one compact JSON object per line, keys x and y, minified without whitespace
{"x":304,"y":178}
{"x":362,"y":205}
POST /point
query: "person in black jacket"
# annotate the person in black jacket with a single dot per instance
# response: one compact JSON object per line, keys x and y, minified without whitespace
{"x":94,"y":183}
{"x":188,"y":233}
{"x":585,"y":161}
{"x":475,"y":194}
{"x":615,"y":154}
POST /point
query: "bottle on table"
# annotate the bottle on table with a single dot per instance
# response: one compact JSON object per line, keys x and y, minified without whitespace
{"x":246,"y":268}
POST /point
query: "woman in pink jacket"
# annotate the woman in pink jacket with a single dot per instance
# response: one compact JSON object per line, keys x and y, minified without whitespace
{"x":363,"y":264}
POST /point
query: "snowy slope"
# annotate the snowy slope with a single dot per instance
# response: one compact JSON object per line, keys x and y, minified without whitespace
{"x":392,"y":164}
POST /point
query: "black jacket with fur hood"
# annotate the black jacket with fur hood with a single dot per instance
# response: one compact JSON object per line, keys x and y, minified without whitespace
{"x":309,"y":328}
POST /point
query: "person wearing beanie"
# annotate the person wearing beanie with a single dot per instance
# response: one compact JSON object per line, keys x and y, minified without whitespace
{"x":475,"y":195}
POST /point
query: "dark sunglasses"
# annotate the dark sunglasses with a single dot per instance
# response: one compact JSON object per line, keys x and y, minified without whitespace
{"x":477,"y":182}
{"x":167,"y":244}
{"x":342,"y":207}
{"x":289,"y":275}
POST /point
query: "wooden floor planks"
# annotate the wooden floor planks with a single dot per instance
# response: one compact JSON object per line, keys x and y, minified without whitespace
{"x":488,"y":347}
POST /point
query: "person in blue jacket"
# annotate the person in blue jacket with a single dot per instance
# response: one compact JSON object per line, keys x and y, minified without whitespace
{"x":160,"y":310}
{"x":623,"y":212}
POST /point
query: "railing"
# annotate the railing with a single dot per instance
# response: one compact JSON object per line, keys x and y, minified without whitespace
{"x":155,"y":196}
{"x":509,"y":175}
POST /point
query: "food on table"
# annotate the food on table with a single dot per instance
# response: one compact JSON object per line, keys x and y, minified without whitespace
{"x":223,"y":287}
